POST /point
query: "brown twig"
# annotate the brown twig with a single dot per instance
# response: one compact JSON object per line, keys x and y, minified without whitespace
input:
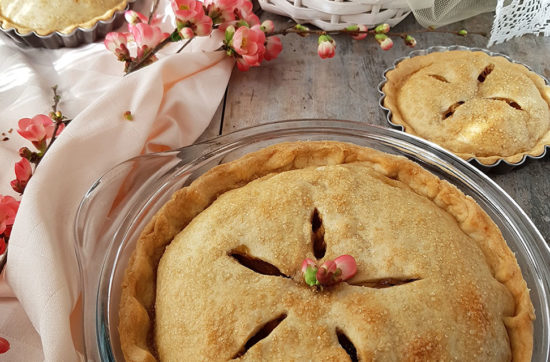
{"x":58,"y":121}
{"x":132,"y":66}
{"x":293,"y":30}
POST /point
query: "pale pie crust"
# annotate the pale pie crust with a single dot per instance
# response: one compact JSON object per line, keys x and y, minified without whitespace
{"x":475,"y":105}
{"x":48,"y":16}
{"x":467,"y":298}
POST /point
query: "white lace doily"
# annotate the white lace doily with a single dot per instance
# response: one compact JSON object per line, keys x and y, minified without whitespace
{"x":513,"y":18}
{"x":520,"y":17}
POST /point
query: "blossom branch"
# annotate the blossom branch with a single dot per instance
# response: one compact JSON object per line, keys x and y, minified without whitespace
{"x":246,"y":40}
{"x":301,"y":31}
{"x":146,"y":58}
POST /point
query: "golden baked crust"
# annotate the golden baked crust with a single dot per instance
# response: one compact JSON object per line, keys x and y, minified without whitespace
{"x":475,"y":105}
{"x":462,"y":296}
{"x":45,"y":17}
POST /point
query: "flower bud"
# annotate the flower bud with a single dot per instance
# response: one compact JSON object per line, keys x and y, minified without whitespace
{"x":187,"y":33}
{"x":385,"y":42}
{"x":301,"y":29}
{"x":410,"y":41}
{"x":360,"y":35}
{"x":229,"y":32}
{"x":128,"y":116}
{"x":327,"y":46}
{"x":382,"y":28}
{"x":267,"y":26}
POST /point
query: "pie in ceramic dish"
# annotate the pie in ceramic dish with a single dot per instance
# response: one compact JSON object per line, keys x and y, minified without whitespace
{"x":63,"y":16}
{"x":216,"y":275}
{"x":475,"y":105}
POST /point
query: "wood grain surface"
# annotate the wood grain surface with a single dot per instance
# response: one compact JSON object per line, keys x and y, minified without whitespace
{"x":299,"y":84}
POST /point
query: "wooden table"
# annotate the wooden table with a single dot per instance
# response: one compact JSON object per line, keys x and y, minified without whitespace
{"x":299,"y":84}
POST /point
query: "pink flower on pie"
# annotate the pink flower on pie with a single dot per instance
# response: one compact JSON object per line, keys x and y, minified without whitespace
{"x":327,"y":47}
{"x":118,"y":44}
{"x":23,"y":172}
{"x":146,"y":36}
{"x":249,"y":43}
{"x":8,"y":210}
{"x":334,"y":271}
{"x":273,"y":47}
{"x":38,"y":129}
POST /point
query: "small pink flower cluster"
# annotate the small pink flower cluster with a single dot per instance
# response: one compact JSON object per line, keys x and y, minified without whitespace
{"x":8,"y":210}
{"x":250,"y":45}
{"x":330,"y":272}
{"x":144,"y":35}
{"x":40,"y":131}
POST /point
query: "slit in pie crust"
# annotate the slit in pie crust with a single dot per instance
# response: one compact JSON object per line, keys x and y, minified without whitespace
{"x":475,"y":105}
{"x":216,"y":274}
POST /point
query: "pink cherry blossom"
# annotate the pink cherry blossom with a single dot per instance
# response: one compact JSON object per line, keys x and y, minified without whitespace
{"x":8,"y":210}
{"x":361,"y":35}
{"x":118,"y":44}
{"x":243,"y":10}
{"x":187,"y":10}
{"x":23,"y":172}
{"x":134,"y":17}
{"x":203,"y":26}
{"x":327,"y":47}
{"x":38,"y":129}
{"x":146,"y":36}
{"x":242,"y":64}
{"x":249,"y":43}
{"x":221,"y":11}
{"x":273,"y":47}
{"x":190,"y":13}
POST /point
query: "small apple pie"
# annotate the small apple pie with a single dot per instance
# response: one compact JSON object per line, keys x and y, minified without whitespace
{"x":63,"y":16}
{"x":475,"y":105}
{"x":216,"y":275}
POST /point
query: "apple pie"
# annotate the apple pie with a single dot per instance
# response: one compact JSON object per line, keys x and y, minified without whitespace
{"x":63,"y":16}
{"x":475,"y":105}
{"x":216,"y":275}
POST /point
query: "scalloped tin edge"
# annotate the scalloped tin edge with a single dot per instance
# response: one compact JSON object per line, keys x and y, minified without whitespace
{"x":499,"y":166}
{"x":75,"y":38}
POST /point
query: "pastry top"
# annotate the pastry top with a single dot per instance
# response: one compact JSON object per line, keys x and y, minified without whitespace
{"x":456,"y":289}
{"x":475,"y":105}
{"x":45,"y":17}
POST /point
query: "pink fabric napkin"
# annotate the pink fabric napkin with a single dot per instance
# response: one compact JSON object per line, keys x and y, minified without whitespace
{"x":172,"y":102}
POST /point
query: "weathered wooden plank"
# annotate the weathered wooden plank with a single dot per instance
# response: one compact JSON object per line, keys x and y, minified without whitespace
{"x":298,"y":84}
{"x":213,"y":129}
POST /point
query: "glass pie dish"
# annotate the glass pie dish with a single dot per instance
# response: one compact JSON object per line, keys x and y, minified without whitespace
{"x":118,"y":206}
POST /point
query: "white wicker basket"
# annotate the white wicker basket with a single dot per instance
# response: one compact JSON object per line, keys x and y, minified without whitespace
{"x":337,"y":14}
